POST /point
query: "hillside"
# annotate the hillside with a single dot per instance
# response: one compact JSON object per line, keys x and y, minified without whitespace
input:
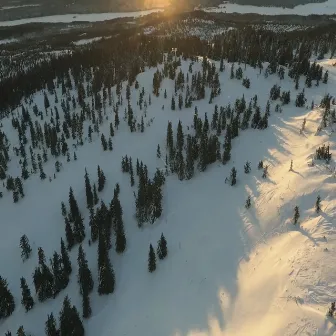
{"x":231,"y":269}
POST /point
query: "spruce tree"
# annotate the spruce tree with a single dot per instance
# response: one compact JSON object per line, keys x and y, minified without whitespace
{"x":88,"y":191}
{"x":7,"y":304}
{"x":247,"y":167}
{"x":248,"y":202}
{"x":69,"y":233}
{"x":74,"y":210}
{"x":101,"y":179}
{"x":162,"y":249}
{"x":233,"y":176}
{"x":65,"y":258}
{"x":21,"y":332}
{"x":84,"y":274}
{"x":151,"y":259}
{"x":25,"y":247}
{"x":79,"y":229}
{"x":296,"y":215}
{"x":26,"y":300}
{"x":119,"y":225}
{"x":87,"y":311}
{"x":70,"y":322}
{"x":318,"y":204}
{"x":95,"y":195}
{"x":51,"y":327}
{"x":60,"y":275}
{"x":106,"y":276}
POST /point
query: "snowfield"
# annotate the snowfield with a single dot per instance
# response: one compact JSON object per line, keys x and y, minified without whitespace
{"x":230,"y":271}
{"x":68,"y":18}
{"x":327,"y":8}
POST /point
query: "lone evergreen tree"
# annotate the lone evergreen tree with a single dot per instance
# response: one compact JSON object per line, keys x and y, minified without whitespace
{"x":151,"y":259}
{"x":331,"y":310}
{"x":21,"y":332}
{"x":25,"y":247}
{"x":162,"y":250}
{"x":27,"y":300}
{"x":318,"y":204}
{"x":247,"y":167}
{"x":296,"y":214}
{"x":233,"y":176}
{"x":248,"y":202}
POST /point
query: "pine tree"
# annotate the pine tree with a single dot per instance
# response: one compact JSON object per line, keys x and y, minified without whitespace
{"x":79,"y":229}
{"x":25,"y":247}
{"x":119,"y":225}
{"x":84,"y":274}
{"x":51,"y":327}
{"x":103,"y":142}
{"x":162,"y":249}
{"x":106,"y":276}
{"x":248,"y":202}
{"x":296,"y":215}
{"x":247,"y":167}
{"x":318,"y":204}
{"x":331,"y":310}
{"x":69,"y":233}
{"x":7,"y":304}
{"x":158,"y":152}
{"x":74,"y":210}
{"x":70,"y":322}
{"x":87,"y":311}
{"x":65,"y":258}
{"x":64,"y":211}
{"x":95,"y":195}
{"x":60,"y":276}
{"x":233,"y":176}
{"x":88,"y":191}
{"x":27,"y":300}
{"x":151,"y":259}
{"x":21,"y":332}
{"x":101,"y":179}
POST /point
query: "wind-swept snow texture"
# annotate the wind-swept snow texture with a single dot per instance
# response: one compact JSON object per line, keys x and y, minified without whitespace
{"x":229,"y":271}
{"x":327,"y":7}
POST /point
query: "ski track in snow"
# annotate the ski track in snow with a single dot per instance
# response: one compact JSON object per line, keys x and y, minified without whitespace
{"x":229,"y":271}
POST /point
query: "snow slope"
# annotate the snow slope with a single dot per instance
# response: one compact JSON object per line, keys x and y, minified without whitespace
{"x":67,"y":18}
{"x":229,"y":271}
{"x":328,"y":8}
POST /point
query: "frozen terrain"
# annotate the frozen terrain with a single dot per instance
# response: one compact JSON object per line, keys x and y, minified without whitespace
{"x":328,"y":8}
{"x":230,"y":271}
{"x":67,"y":18}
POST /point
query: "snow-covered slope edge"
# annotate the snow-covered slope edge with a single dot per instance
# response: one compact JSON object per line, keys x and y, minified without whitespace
{"x":288,"y":279}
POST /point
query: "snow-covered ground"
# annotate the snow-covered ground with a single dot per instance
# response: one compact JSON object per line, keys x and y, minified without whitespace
{"x":22,"y":6}
{"x":87,"y":41}
{"x":67,"y":18}
{"x":7,"y":41}
{"x":328,"y":8}
{"x":229,"y":271}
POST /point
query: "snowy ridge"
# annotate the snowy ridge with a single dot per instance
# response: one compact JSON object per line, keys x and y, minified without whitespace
{"x":230,"y":270}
